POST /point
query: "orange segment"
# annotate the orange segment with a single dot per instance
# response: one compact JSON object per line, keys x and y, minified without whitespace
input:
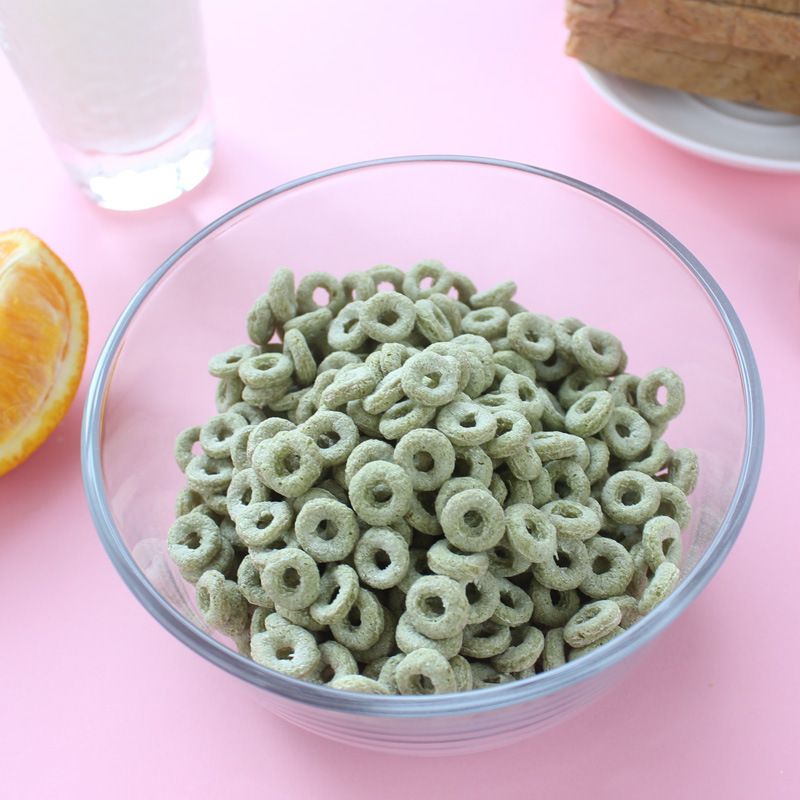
{"x":44,"y":326}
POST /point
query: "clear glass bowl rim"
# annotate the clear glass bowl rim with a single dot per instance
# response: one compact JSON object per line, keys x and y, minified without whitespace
{"x":488,"y":699}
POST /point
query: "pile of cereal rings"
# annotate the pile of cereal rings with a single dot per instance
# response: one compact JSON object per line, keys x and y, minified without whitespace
{"x":419,"y":488}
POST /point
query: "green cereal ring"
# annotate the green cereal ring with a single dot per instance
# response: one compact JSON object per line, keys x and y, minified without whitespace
{"x":647,"y":395}
{"x":449,"y":307}
{"x":630,"y":497}
{"x":577,"y":384}
{"x":511,"y":435}
{"x":598,"y":352}
{"x":226,"y":365}
{"x":683,"y":469}
{"x":187,"y":500}
{"x":424,"y":671}
{"x":336,"y":661}
{"x":661,"y":540}
{"x":380,"y":493}
{"x":249,"y":579}
{"x":296,"y":347}
{"x":291,"y":401}
{"x":515,"y":606}
{"x":313,"y":325}
{"x":571,"y":518}
{"x":567,"y":569}
{"x":592,"y":622}
{"x":404,"y":416}
{"x":623,"y":389}
{"x":664,"y":580}
{"x":554,"y":368}
{"x":381,"y":557}
{"x":269,"y":372}
{"x":432,"y":322}
{"x":551,"y":607}
{"x":208,"y":475}
{"x":553,"y":416}
{"x":261,"y":321}
{"x":499,"y":401}
{"x":569,"y":481}
{"x":386,"y":273}
{"x":286,"y":648}
{"x":626,"y":433}
{"x":510,"y":362}
{"x":385,"y":644}
{"x":464,"y":287}
{"x":498,"y":295}
{"x":252,"y":414}
{"x":629,"y":607}
{"x":674,"y":504}
{"x":245,"y":488}
{"x":641,"y":571}
{"x":216,"y":433}
{"x":582,"y":651}
{"x":527,"y":392}
{"x":472,"y":462}
{"x":526,"y":464}
{"x":427,"y":457}
{"x":444,"y":559}
{"x":485,"y":639}
{"x":421,"y":514}
{"x":611,"y":568}
{"x":484,"y":675}
{"x":319,"y":280}
{"x":290,"y":577}
{"x":358,"y":683}
{"x":554,"y":651}
{"x":409,"y":639}
{"x":262,"y":524}
{"x":599,"y":457}
{"x":281,"y":295}
{"x":238,"y":444}
{"x":541,"y":489}
{"x":346,"y":333}
{"x":454,"y":486}
{"x":589,"y":414}
{"x":222,"y":604}
{"x":368,"y":424}
{"x":483,"y":596}
{"x":473,"y":520}
{"x":229,"y":392}
{"x":392,"y":356}
{"x":365,"y":452}
{"x":531,"y":532}
{"x":363,"y":624}
{"x":417,"y":567}
{"x":334,"y":433}
{"x":388,"y":317}
{"x":653,"y":460}
{"x":184,"y":446}
{"x":358,"y":286}
{"x":430,"y":379}
{"x":266,"y":430}
{"x":338,"y":591}
{"x":326,"y":529}
{"x":488,"y":323}
{"x":193,"y":542}
{"x":555,"y":445}
{"x":522,"y":653}
{"x":388,"y":392}
{"x":289,"y":462}
{"x":437,"y":606}
{"x":441,"y":281}
{"x":350,"y":383}
{"x":387,"y":669}
{"x":498,"y":489}
{"x":505,"y":561}
{"x":531,"y":335}
{"x":462,"y":673}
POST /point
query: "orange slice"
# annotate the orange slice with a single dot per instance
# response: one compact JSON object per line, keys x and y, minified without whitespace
{"x":44,"y":328}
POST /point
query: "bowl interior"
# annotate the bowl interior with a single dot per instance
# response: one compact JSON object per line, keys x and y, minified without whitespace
{"x":572,"y":252}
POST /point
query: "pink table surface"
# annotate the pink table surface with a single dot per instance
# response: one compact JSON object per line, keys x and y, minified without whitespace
{"x":98,"y":700}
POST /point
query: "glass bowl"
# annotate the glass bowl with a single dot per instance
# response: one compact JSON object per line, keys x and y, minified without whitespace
{"x":573,"y":251}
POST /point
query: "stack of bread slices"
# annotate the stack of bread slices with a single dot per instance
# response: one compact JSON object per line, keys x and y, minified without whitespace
{"x":739,"y":50}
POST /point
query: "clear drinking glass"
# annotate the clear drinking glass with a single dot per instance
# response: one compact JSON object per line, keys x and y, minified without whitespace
{"x":120,"y":87}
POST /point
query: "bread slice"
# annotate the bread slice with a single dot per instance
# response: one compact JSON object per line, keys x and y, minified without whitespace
{"x":720,"y":23}
{"x":730,"y":73}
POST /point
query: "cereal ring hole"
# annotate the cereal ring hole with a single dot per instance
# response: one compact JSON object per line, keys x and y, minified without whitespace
{"x":290,"y":578}
{"x":388,"y":317}
{"x":601,"y":565}
{"x":630,"y":497}
{"x":433,"y":607}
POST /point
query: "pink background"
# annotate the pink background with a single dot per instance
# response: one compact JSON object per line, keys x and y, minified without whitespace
{"x":98,"y":700}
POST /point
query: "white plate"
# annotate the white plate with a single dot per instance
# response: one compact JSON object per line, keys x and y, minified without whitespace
{"x":730,"y":133}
